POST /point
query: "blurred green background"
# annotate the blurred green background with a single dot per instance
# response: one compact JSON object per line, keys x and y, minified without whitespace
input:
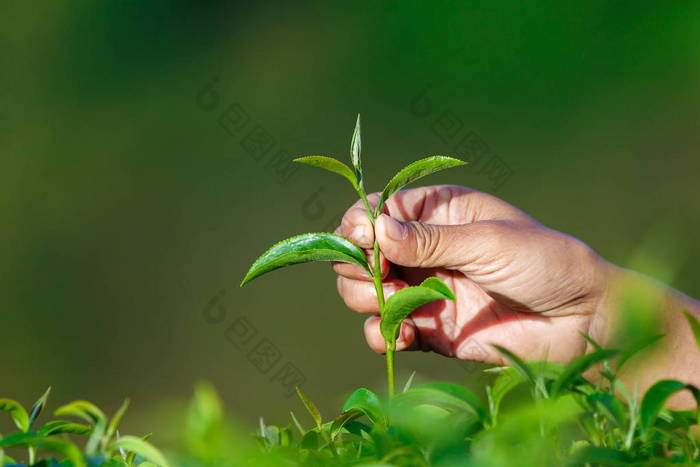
{"x":142,"y":171}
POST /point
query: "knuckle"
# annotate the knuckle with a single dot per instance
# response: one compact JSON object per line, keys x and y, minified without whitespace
{"x":427,"y":241}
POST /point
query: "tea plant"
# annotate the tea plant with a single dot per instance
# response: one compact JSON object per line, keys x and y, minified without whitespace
{"x":103,"y":447}
{"x":329,"y":247}
{"x":565,"y":420}
{"x":532,"y":414}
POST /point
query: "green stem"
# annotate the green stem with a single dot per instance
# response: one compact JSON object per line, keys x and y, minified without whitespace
{"x":377,"y":279}
{"x":390,"y":347}
{"x":366,"y":204}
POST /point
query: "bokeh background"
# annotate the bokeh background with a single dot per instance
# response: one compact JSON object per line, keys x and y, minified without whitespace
{"x":143,"y":169}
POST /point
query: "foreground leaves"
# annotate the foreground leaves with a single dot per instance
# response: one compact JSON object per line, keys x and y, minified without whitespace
{"x":139,"y":447}
{"x":574,"y":370}
{"x":310,"y":407}
{"x":306,"y":248}
{"x":17,"y":412}
{"x":367,"y":403}
{"x":694,"y":326}
{"x":568,"y":421}
{"x":655,"y":398}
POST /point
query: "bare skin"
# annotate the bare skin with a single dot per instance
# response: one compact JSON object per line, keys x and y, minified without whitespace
{"x":518,"y":284}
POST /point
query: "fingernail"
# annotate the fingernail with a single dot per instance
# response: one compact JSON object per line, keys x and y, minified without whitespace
{"x":395,"y":230}
{"x":403,"y":334}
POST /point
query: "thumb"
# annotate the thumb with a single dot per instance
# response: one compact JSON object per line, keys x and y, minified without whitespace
{"x":421,"y":245}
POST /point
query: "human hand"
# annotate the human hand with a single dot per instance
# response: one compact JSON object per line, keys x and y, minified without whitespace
{"x":518,"y":284}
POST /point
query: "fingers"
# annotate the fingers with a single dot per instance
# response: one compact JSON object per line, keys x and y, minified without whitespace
{"x":360,"y":295}
{"x":450,"y":205}
{"x":355,"y":272}
{"x":456,"y":247}
{"x":357,"y":227}
{"x":407,"y":336}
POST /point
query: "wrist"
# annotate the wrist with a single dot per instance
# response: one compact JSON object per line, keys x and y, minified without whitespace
{"x":631,"y":307}
{"x":606,"y":310}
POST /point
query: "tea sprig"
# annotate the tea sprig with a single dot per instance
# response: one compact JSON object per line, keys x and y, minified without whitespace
{"x":329,"y":247}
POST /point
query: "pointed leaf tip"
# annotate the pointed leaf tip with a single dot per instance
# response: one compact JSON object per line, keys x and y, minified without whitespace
{"x":694,"y":326}
{"x":310,"y":407}
{"x":356,"y":150}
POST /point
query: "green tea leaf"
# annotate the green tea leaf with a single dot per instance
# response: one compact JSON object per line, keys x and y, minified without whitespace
{"x":286,"y":436}
{"x":403,"y":302}
{"x":204,"y":425}
{"x":131,"y":455}
{"x":694,"y":326}
{"x":356,"y":151}
{"x":311,"y":440}
{"x":17,"y":412}
{"x":590,"y":340}
{"x":602,"y":456}
{"x":635,"y":348}
{"x":38,"y":407}
{"x":655,"y":398}
{"x":305,"y":248}
{"x":83,"y":410}
{"x":517,"y":363}
{"x":505,"y":382}
{"x":413,"y":172}
{"x":116,"y":419}
{"x":438,"y":286}
{"x":141,"y":448}
{"x":63,"y":447}
{"x":311,"y":407}
{"x":578,"y":366}
{"x":358,"y":428}
{"x":333,"y":165}
{"x":460,"y":392}
{"x":120,"y":462}
{"x":342,"y":419}
{"x":445,"y":395}
{"x":366,"y":402}
{"x":59,"y":427}
{"x":17,"y":439}
{"x":610,"y":406}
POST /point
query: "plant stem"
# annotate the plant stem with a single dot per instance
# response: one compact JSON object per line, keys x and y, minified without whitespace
{"x":377,"y":279}
{"x":367,"y":206}
{"x":390,"y":346}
